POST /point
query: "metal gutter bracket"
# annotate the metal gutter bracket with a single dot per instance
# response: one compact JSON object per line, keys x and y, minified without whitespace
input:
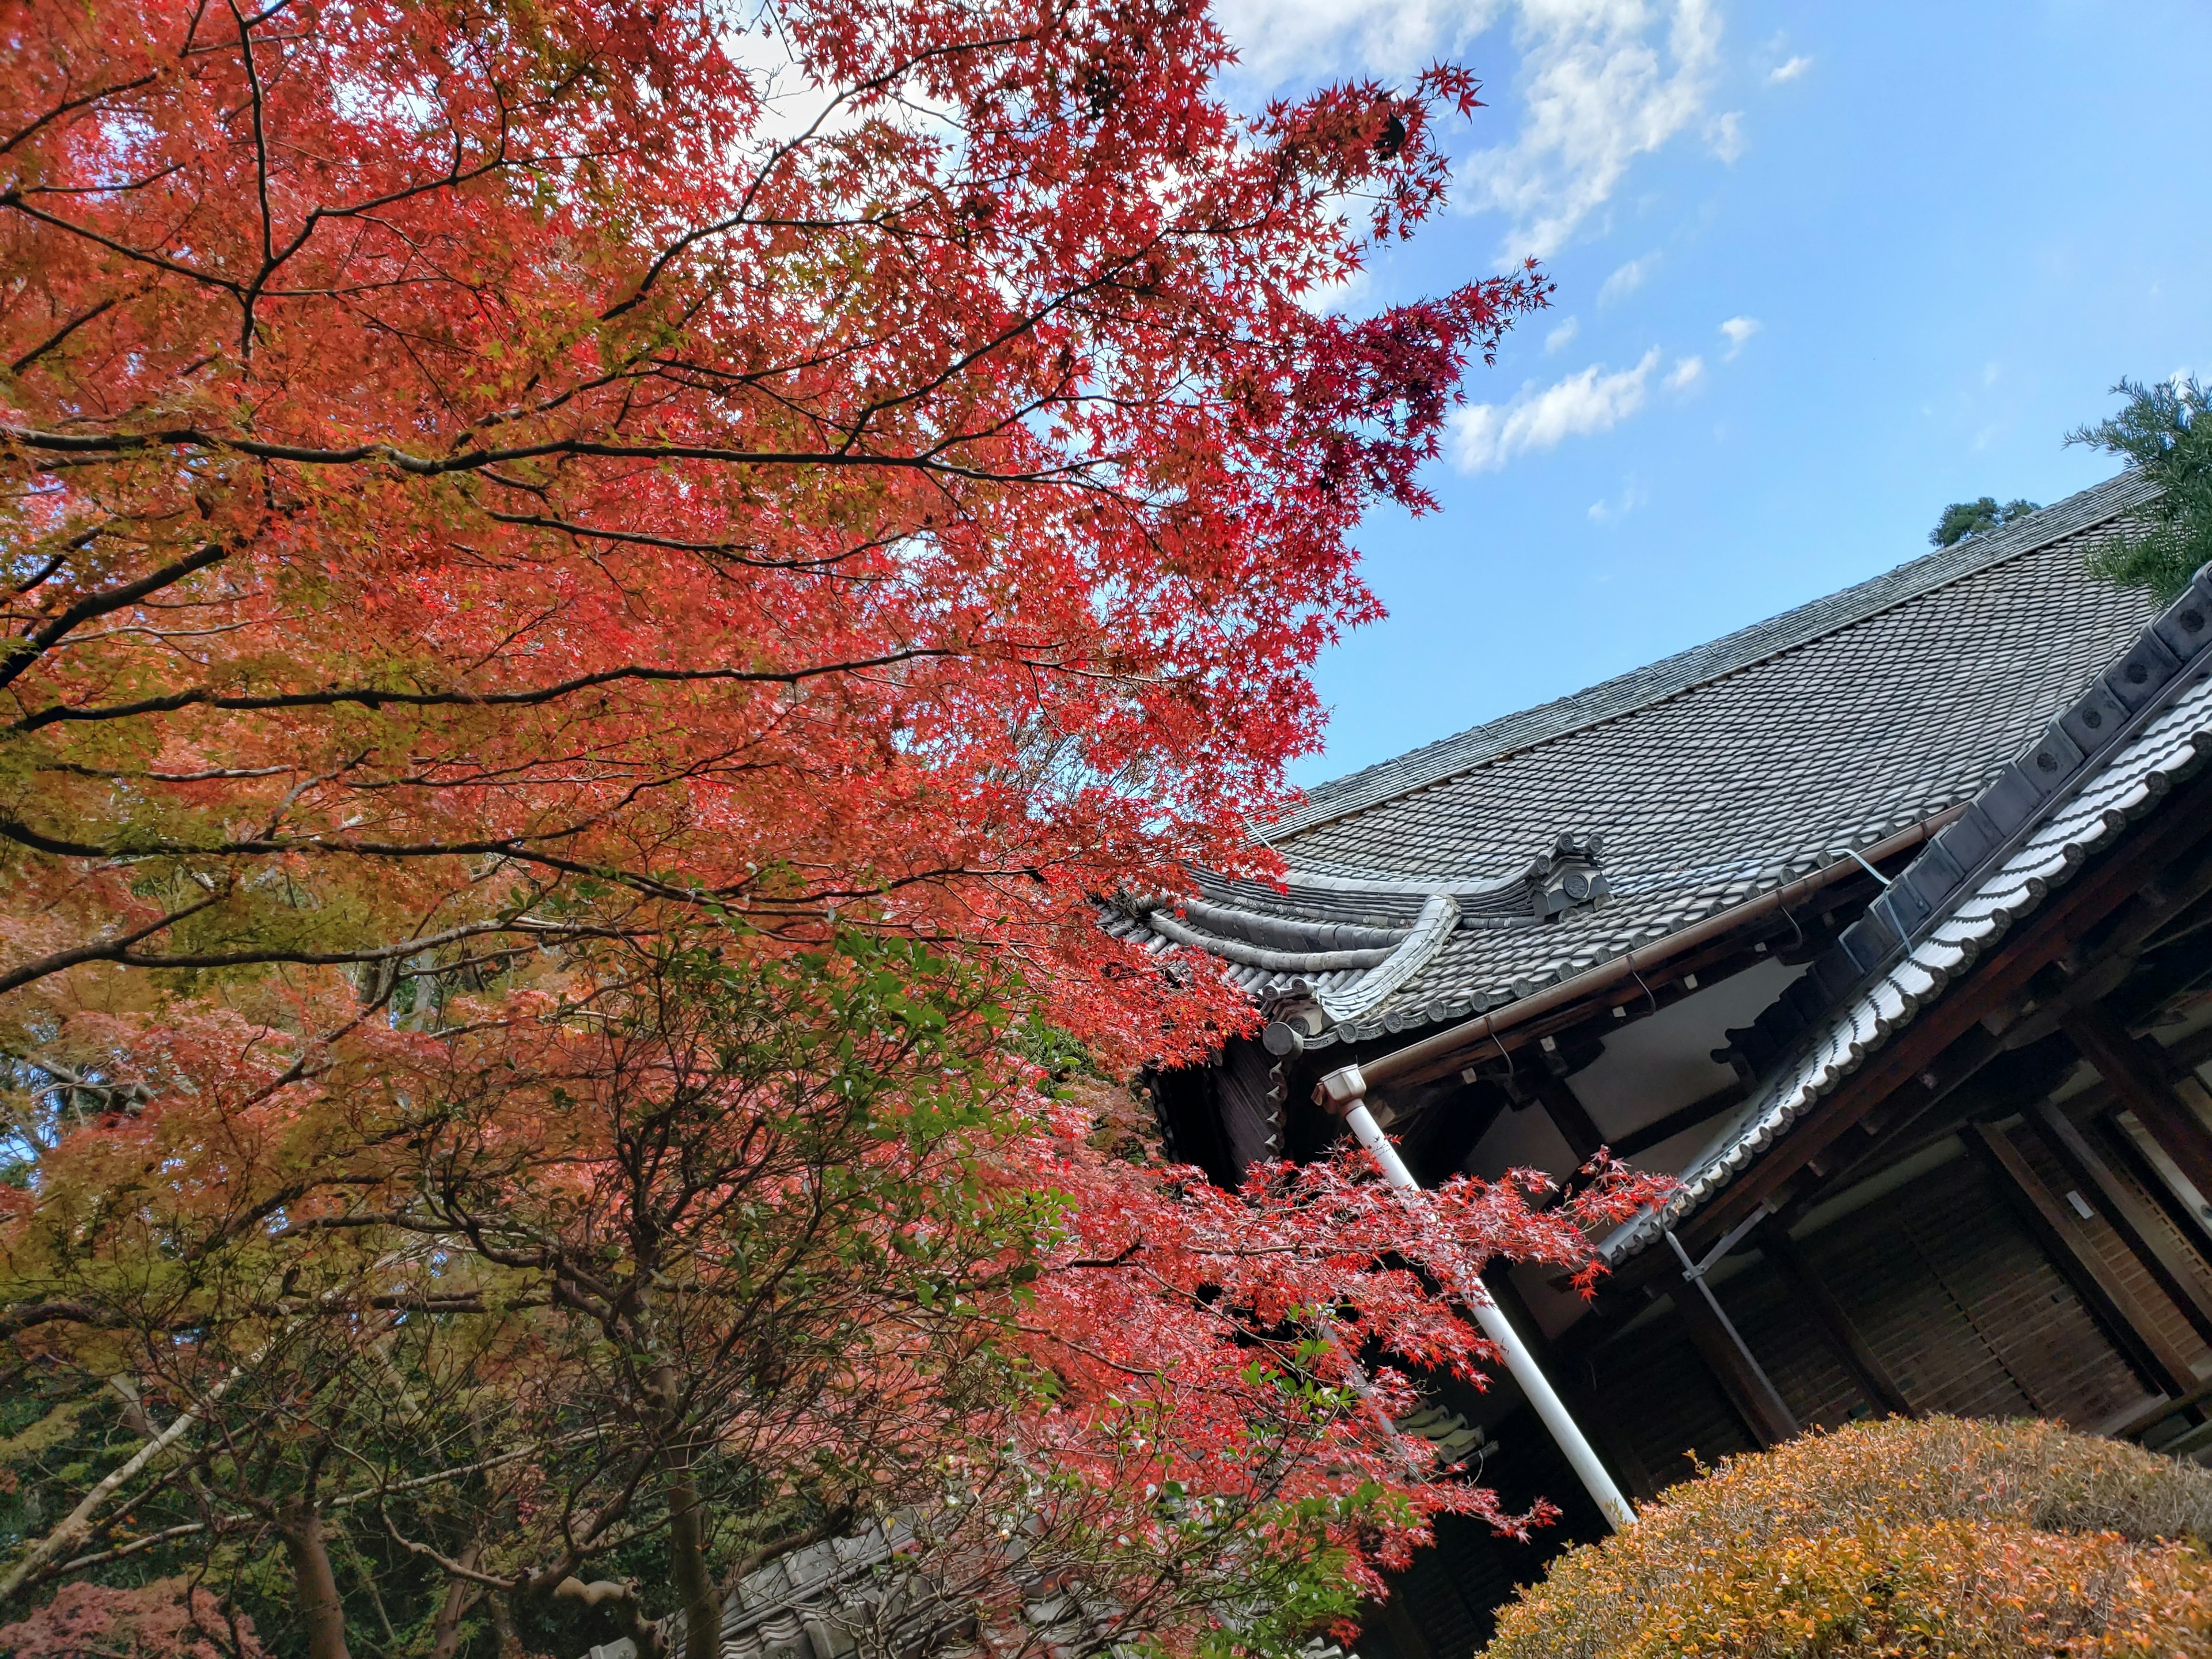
{"x":1344,"y":1092}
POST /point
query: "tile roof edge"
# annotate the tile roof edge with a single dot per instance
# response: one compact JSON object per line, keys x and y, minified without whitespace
{"x":2143,"y":689}
{"x":1670,"y":676}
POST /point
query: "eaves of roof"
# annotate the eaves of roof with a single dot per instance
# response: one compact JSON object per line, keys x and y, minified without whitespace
{"x":2106,"y":762}
{"x":1640,"y":688}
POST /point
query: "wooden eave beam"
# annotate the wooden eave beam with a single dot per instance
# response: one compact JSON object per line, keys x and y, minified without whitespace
{"x":2147,"y":1084}
{"x":2192,"y":1222}
{"x":1703,"y":1109}
{"x":2163,"y":1256}
{"x":1742,"y":1379}
{"x":1589,"y":1411}
{"x":2109,"y":1301}
{"x":2089,"y":898}
{"x":1571,"y":1118}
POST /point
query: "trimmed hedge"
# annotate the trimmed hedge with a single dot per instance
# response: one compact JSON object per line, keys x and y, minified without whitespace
{"x":1940,"y":1537}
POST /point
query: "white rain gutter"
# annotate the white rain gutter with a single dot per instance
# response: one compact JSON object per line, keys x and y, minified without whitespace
{"x":1345,"y":1092}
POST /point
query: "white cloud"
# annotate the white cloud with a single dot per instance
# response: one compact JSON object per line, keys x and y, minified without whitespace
{"x":1687,"y":372}
{"x":1725,"y":134}
{"x":1627,"y":279}
{"x":1564,"y":332}
{"x":1328,"y":298}
{"x":1282,"y":40}
{"x":1600,"y":92}
{"x":1602,"y":81}
{"x":1738,"y":329}
{"x":1790,"y":70}
{"x":1632,"y":495}
{"x":1485,"y":437}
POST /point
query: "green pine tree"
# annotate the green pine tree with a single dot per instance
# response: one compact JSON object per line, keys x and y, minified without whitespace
{"x":1963,"y":519}
{"x":2162,"y":431}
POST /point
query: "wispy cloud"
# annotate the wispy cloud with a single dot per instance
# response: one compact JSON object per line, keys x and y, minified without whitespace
{"x":1626,"y":279}
{"x":1485,"y":437}
{"x":1342,"y":295}
{"x":1789,"y":71}
{"x":1725,"y":134}
{"x":1633,"y":494}
{"x":1687,"y":372}
{"x":1600,"y":90}
{"x":1602,"y":81}
{"x":1738,"y":329}
{"x":1281,"y":40}
{"x":1564,"y":332}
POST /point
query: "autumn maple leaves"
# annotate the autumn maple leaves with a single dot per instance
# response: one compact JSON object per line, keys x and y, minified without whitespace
{"x":594,"y":591}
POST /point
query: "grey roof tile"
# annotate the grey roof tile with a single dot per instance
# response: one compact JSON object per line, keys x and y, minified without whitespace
{"x":2092,"y":802}
{"x":1717,"y":775}
{"x":1642,"y":687}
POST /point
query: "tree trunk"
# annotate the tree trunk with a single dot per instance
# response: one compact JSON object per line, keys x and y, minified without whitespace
{"x":687,"y":1526}
{"x":503,"y":1623}
{"x":460,"y":1597}
{"x":687,"y":1545}
{"x":315,"y":1586}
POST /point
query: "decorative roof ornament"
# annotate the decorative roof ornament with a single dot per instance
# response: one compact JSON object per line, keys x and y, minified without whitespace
{"x":1343,"y":941}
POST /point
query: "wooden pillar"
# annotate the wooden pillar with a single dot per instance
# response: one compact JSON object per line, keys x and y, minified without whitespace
{"x":2163,"y":1256}
{"x":1742,"y":1379}
{"x":1864,"y":1365}
{"x":2056,"y":1228}
{"x":2144,"y":1082}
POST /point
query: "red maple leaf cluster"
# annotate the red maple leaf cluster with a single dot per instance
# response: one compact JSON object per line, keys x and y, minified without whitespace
{"x":514,"y":508}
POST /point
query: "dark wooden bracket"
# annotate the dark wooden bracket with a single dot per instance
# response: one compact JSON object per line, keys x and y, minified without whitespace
{"x":2055,"y":1226}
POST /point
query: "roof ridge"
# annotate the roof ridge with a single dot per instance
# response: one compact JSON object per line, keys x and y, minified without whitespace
{"x":1653,"y":683}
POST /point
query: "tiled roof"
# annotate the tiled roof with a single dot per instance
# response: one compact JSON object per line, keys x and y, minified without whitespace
{"x":862,"y":1597}
{"x":1712,"y":776}
{"x":2106,"y":761}
{"x":1640,"y":687}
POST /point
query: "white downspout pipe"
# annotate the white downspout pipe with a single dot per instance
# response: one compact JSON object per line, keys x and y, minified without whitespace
{"x":1345,"y":1092}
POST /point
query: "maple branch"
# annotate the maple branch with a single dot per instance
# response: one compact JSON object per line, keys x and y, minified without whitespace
{"x":14,"y":198}
{"x":343,"y":1500}
{"x":27,"y":1315}
{"x":151,"y":1540}
{"x":59,"y":335}
{"x":475,"y":460}
{"x":373,"y":698}
{"x":27,"y":648}
{"x":790,"y":147}
{"x":79,"y":1520}
{"x":120,"y":951}
{"x":732,"y":551}
{"x":72,"y":104}
{"x":252,"y":293}
{"x":1126,"y":1255}
{"x":116,"y":950}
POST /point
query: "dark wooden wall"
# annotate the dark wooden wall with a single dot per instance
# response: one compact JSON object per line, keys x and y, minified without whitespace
{"x":1961,"y":1304}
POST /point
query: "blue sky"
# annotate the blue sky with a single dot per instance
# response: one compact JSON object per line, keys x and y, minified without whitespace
{"x":1821,"y":270}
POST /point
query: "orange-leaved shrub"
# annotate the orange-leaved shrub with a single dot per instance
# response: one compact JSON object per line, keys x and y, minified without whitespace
{"x":1940,"y":1537}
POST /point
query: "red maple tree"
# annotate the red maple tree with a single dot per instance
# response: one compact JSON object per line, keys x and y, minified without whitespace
{"x":846,"y":459}
{"x":510,"y":503}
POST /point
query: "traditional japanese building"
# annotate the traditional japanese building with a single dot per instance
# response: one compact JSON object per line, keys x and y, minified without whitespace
{"x":1884,"y":926}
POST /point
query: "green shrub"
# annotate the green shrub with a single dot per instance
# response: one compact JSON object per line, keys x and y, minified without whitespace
{"x":1942,"y":1537}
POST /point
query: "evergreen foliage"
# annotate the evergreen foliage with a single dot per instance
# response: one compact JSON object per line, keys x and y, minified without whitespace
{"x":1963,"y":519}
{"x":2162,"y":432}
